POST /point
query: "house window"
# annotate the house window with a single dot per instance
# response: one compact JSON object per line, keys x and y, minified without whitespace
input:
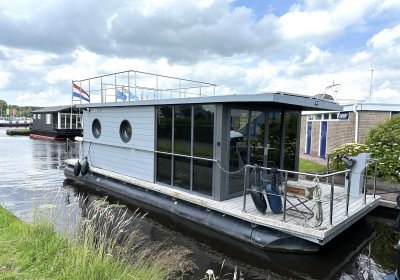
{"x":185,"y":139}
{"x":343,"y":116}
{"x":393,"y":113}
{"x":334,"y":116}
{"x":34,"y":116}
{"x":39,"y":116}
{"x":48,"y":118}
{"x":96,"y":128}
{"x":125,"y":131}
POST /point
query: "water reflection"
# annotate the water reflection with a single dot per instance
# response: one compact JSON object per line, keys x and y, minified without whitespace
{"x":31,"y":173}
{"x":343,"y":257}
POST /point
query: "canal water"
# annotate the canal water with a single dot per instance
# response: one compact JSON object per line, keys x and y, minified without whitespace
{"x":31,"y":176}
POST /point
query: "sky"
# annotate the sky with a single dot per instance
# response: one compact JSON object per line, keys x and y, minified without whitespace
{"x":242,"y":46}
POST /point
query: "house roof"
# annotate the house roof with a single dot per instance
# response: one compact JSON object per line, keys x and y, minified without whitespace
{"x":53,"y":109}
{"x":300,"y":102}
{"x":382,"y":107}
{"x":372,"y":107}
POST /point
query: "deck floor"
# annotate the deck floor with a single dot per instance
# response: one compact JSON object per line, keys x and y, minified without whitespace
{"x":295,"y":223}
{"x":303,"y":225}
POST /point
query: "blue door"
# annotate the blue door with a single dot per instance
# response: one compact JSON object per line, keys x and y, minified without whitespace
{"x":322,"y":144}
{"x":308,"y":140}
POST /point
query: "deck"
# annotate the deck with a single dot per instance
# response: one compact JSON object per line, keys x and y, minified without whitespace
{"x":294,"y":224}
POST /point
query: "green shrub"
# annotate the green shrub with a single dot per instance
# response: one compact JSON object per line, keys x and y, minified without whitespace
{"x":348,"y":149}
{"x":384,"y":143}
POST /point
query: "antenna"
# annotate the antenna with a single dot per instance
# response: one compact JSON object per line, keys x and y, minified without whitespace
{"x":370,"y":87}
{"x":333,"y":87}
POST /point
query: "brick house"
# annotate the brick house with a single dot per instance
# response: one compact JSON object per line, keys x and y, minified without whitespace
{"x":321,"y":132}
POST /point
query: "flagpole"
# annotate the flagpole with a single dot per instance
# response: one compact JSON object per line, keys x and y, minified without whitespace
{"x":72,"y":102}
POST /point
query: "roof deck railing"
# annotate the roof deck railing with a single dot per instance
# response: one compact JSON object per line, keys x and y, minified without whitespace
{"x":135,"y":85}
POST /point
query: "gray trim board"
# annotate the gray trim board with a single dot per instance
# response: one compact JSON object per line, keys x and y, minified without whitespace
{"x":300,"y":102}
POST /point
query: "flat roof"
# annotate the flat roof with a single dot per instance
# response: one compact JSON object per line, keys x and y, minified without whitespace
{"x":301,"y":102}
{"x":53,"y":109}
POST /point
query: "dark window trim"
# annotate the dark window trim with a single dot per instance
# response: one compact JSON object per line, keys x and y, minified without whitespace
{"x":96,"y":131}
{"x":123,"y":133}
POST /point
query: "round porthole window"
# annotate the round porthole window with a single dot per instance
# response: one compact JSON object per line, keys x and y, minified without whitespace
{"x":96,"y":128}
{"x":125,"y":131}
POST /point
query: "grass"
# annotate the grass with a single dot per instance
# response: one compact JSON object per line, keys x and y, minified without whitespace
{"x":18,"y":131}
{"x":106,"y":245}
{"x":309,"y":166}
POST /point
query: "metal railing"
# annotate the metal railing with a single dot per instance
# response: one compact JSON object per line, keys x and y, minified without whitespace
{"x":329,"y":177}
{"x":135,"y":85}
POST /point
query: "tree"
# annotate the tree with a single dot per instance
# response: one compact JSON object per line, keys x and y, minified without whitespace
{"x":384,"y":143}
{"x":3,"y":107}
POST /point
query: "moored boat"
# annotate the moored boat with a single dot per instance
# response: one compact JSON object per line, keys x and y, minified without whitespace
{"x":56,"y":123}
{"x":178,"y":148}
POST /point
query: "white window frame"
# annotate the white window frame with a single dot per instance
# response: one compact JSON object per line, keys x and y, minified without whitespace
{"x":48,"y":118}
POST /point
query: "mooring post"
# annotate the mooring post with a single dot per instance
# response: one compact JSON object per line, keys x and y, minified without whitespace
{"x":348,"y":192}
{"x":285,"y":196}
{"x":244,"y":189}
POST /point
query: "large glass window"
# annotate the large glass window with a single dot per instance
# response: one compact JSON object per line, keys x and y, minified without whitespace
{"x":164,"y":169}
{"x":191,"y":127}
{"x":182,"y":129}
{"x":290,"y":123}
{"x":164,"y":128}
{"x":182,"y":172}
{"x":274,"y":139}
{"x":256,"y":137}
{"x":202,"y":176}
{"x":203,"y":130}
{"x":238,"y":151}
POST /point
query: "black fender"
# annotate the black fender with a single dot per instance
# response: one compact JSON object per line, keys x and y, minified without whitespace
{"x":258,"y":198}
{"x":274,"y":199}
{"x":85,"y":167}
{"x":77,"y":168}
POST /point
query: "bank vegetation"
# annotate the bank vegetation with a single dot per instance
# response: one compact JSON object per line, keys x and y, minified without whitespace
{"x":106,"y":243}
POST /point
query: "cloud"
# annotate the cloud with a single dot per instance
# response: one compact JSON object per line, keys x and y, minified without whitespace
{"x":49,"y":97}
{"x":4,"y":77}
{"x":320,"y":20}
{"x":44,"y":45}
{"x":361,"y":57}
{"x":386,"y":39}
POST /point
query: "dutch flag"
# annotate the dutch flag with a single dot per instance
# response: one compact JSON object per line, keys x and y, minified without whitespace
{"x":77,"y":91}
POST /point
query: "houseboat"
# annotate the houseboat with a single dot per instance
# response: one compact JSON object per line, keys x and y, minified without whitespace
{"x":15,"y":122}
{"x":56,"y":123}
{"x":225,"y":163}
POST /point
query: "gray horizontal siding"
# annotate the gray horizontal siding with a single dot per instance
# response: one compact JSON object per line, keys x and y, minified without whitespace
{"x":135,"y":158}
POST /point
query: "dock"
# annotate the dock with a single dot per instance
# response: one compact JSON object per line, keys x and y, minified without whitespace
{"x":18,"y":131}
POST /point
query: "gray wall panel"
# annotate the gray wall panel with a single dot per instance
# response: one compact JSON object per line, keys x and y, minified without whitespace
{"x":110,"y":152}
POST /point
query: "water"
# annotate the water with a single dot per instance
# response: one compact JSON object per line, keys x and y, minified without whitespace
{"x":31,"y":174}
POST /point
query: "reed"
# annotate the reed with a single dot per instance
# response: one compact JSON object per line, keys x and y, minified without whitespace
{"x":104,"y":242}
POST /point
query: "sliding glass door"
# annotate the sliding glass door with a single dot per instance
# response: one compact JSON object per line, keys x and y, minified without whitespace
{"x":256,"y":137}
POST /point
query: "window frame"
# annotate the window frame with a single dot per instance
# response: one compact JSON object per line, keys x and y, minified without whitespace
{"x":191,"y":156}
{"x":124,"y":133}
{"x":96,"y":131}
